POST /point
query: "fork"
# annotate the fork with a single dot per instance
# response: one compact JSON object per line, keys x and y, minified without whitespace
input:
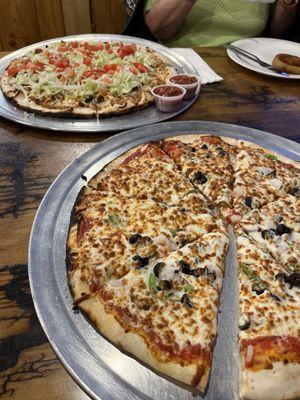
{"x":256,"y":59}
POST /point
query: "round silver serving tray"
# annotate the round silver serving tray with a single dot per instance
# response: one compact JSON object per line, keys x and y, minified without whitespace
{"x":99,"y":367}
{"x":149,"y":115}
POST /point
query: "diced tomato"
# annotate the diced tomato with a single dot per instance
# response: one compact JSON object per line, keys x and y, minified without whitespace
{"x":63,"y":48}
{"x":111,"y":68}
{"x":74,"y":45}
{"x":127,"y":50}
{"x":100,"y":46}
{"x":142,"y":68}
{"x":107,"y":46}
{"x":38,"y":65}
{"x":88,"y":74}
{"x":93,"y":73}
{"x":12,"y":71}
{"x":60,"y":63}
{"x":87,"y":61}
{"x":109,"y":51}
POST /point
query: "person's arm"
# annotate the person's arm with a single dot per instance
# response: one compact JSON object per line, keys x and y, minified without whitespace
{"x":166,"y":17}
{"x":284,"y":17}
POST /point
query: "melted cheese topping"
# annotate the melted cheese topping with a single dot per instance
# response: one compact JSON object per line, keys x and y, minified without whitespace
{"x":276,"y":309}
{"x":209,"y":165}
{"x":262,"y":178}
{"x":151,"y":177}
{"x":262,"y":226}
{"x":106,"y":247}
{"x":162,"y":312}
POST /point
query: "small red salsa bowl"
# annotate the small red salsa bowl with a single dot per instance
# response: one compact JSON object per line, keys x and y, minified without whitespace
{"x":168,"y":98}
{"x":187,"y":81}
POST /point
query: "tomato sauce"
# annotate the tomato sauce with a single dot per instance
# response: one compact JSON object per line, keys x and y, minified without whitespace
{"x":167,"y":91}
{"x":183,"y":79}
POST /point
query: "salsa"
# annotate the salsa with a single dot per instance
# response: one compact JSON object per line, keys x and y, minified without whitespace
{"x":183,"y":79}
{"x":167,"y":91}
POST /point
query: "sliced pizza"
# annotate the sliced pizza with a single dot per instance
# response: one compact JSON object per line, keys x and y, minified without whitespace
{"x":276,"y":228}
{"x":208,"y":162}
{"x":147,"y":172}
{"x":114,"y":234}
{"x":269,"y":325}
{"x":85,"y":78}
{"x":166,"y":312}
{"x":261,"y":177}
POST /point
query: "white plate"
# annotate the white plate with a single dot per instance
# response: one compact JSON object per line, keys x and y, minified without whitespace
{"x":266,"y":49}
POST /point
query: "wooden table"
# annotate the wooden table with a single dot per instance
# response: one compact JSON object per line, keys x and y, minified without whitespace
{"x":30,"y":159}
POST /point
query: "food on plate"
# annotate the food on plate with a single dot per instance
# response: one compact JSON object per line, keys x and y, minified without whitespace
{"x":261,"y":177}
{"x":146,"y":255}
{"x":168,"y":98}
{"x":287,"y":62}
{"x":189,"y":82}
{"x":208,"y":163}
{"x":269,"y":324}
{"x":85,"y":78}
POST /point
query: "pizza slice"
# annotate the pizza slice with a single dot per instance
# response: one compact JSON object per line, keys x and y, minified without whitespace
{"x":115,"y":234}
{"x":208,"y":163}
{"x":276,"y":229}
{"x":269,"y":336}
{"x":147,"y":172}
{"x":165,"y":313}
{"x":261,"y":177}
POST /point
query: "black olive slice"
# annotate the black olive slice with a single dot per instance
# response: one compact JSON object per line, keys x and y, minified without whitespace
{"x":193,"y":149}
{"x":165,"y":285}
{"x":244,"y":324}
{"x":199,"y":177}
{"x":88,"y":98}
{"x":143,"y":261}
{"x":248,"y":201}
{"x":258,"y":289}
{"x":293,"y":280}
{"x":185,"y":268}
{"x":268,"y":233}
{"x":294,"y":191}
{"x":157,"y":268}
{"x":207,"y":155}
{"x":134,"y":238}
{"x":281,"y":229}
{"x":204,"y":147}
{"x":186,"y":300}
{"x":280,"y":276}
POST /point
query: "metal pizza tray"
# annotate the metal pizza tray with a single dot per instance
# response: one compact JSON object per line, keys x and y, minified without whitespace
{"x":149,"y":115}
{"x":99,"y":367}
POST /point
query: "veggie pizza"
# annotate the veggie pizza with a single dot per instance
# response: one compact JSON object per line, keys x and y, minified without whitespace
{"x":85,"y":79}
{"x":146,"y":258}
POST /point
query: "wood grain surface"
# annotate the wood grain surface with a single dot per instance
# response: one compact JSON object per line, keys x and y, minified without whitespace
{"x":24,"y":22}
{"x":30,"y":159}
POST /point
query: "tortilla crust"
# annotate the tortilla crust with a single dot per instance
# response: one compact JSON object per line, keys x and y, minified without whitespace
{"x":131,"y":342}
{"x":108,"y":110}
{"x":282,"y":382}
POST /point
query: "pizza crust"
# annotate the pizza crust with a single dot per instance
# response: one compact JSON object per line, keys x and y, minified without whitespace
{"x":105,"y":110}
{"x":280,"y":383}
{"x":109,"y":107}
{"x":134,"y":344}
